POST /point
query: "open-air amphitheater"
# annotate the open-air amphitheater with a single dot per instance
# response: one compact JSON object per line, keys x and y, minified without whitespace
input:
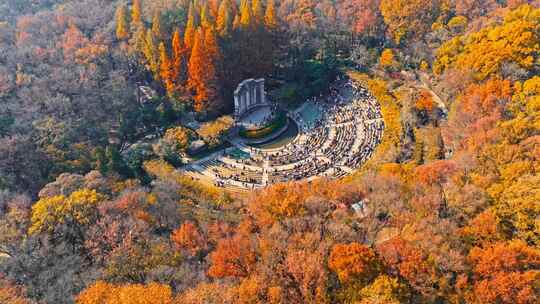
{"x":331,"y":137}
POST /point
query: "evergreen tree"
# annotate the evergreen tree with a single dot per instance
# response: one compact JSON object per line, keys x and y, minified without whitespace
{"x":116,"y":162}
{"x":101,"y":161}
{"x":121,"y":23}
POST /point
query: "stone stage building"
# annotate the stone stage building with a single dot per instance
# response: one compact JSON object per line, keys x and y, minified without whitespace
{"x":248,"y":95}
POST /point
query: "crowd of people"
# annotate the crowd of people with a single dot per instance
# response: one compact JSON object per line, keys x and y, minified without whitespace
{"x":342,"y":138}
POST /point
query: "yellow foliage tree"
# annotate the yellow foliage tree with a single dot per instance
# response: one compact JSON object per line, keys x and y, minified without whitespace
{"x":121,"y":23}
{"x":79,"y":208}
{"x":191,"y":28}
{"x":270,"y":19}
{"x":246,"y":14}
{"x":136,"y":15}
{"x":212,"y":131}
{"x":387,"y":59}
{"x":408,"y":18}
{"x":151,"y":54}
{"x":105,"y":293}
{"x":516,"y":41}
{"x":166,"y":69}
{"x":385,"y":290}
{"x":224,"y":19}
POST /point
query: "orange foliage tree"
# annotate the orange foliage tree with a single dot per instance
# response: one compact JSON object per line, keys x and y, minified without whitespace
{"x":406,"y":260}
{"x":353,"y":262}
{"x":424,"y":102}
{"x":202,"y":72}
{"x":288,"y":200}
{"x":506,"y":272}
{"x":188,"y":237}
{"x":233,"y":257}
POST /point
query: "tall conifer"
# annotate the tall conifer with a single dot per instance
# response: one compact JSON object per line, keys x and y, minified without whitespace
{"x":165,"y":69}
{"x":190,"y":31}
{"x":136,"y":15}
{"x":270,"y":19}
{"x":224,"y":19}
{"x":121,"y":23}
{"x":179,"y":58}
{"x":202,"y":74}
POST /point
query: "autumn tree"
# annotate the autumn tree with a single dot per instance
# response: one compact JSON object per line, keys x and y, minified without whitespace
{"x":408,"y":261}
{"x":12,"y":294}
{"x":206,"y":18}
{"x":506,"y":272}
{"x":353,"y":262}
{"x":213,"y":132}
{"x":224,"y":19}
{"x":157,"y":26}
{"x":151,"y":53}
{"x":188,"y":237}
{"x":233,"y":257}
{"x":121,"y":23}
{"x":408,"y":18}
{"x":203,"y":79}
{"x":106,"y":293}
{"x":166,"y":69}
{"x":258,"y":12}
{"x":136,"y":15}
{"x":79,"y":208}
{"x":179,"y":63}
{"x":385,"y":289}
{"x":270,"y":17}
{"x":190,"y":31}
{"x":362,"y":17}
{"x":480,"y":51}
{"x":174,"y":143}
{"x":246,"y":13}
{"x":424,"y":102}
{"x":475,"y":8}
{"x":387,"y":59}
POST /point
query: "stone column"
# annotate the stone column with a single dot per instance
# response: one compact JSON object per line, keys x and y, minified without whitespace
{"x":263,"y":95}
{"x":236,"y":105}
{"x":248,"y":97}
{"x":242,"y":102}
{"x":257,"y":93}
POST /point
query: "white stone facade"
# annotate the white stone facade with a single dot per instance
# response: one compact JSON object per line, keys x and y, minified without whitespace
{"x":249,"y":94}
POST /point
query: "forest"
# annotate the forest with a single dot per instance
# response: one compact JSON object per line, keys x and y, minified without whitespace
{"x":96,"y":102}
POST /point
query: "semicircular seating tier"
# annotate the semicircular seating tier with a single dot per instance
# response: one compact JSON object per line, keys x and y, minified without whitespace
{"x":337,"y":134}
